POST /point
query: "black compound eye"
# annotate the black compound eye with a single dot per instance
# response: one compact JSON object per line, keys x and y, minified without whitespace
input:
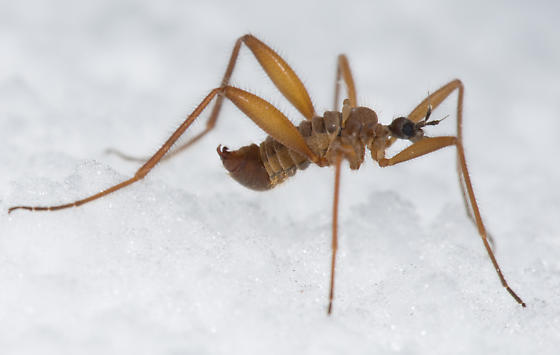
{"x":408,"y":129}
{"x":403,"y":128}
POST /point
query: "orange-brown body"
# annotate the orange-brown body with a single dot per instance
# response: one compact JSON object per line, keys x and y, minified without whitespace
{"x":264,"y":166}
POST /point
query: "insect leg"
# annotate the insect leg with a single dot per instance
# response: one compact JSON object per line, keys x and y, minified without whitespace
{"x":334,"y":228}
{"x":434,"y":100}
{"x":266,"y":116}
{"x":428,"y":145}
{"x":343,"y":70}
{"x":140,"y":173}
{"x":281,"y":74}
{"x":270,"y":120}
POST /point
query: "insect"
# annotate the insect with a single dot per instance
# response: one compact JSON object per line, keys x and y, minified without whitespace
{"x":324,"y":140}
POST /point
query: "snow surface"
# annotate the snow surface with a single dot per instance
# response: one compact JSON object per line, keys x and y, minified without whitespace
{"x":189,"y":262}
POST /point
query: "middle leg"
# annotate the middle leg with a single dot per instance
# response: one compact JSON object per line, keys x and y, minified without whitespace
{"x":343,"y":71}
{"x":334,"y":245}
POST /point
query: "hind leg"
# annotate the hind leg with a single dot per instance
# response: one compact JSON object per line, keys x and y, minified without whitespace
{"x":276,"y":68}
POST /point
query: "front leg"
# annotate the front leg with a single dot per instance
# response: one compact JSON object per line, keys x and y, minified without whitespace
{"x":432,"y":102}
{"x":428,"y":145}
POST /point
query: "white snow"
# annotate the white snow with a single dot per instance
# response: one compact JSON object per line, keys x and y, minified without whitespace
{"x":189,"y":262}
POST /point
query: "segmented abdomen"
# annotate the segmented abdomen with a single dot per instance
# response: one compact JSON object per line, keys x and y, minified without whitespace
{"x":281,"y":162}
{"x":274,"y":162}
